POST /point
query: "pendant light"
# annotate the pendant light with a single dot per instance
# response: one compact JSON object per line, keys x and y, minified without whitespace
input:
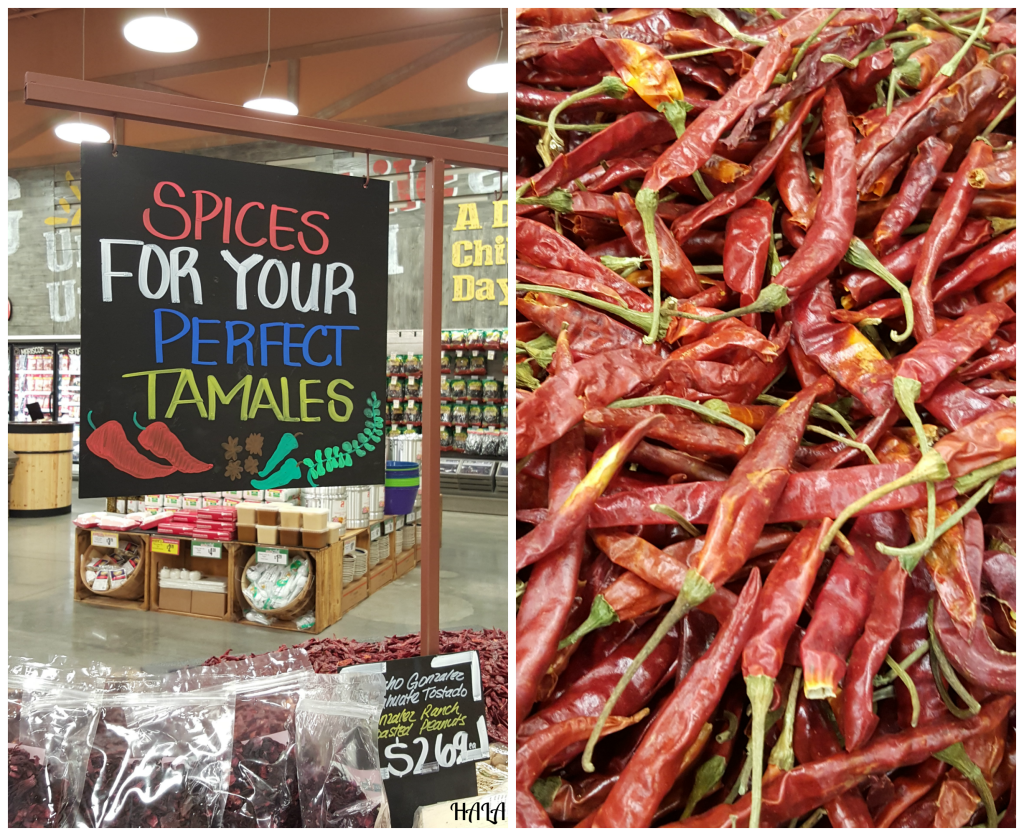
{"x":79,"y":132}
{"x":160,"y":34}
{"x":492,"y":78}
{"x":271,"y":104}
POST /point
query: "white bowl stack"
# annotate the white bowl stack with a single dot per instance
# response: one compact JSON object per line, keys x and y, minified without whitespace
{"x":361,"y":559}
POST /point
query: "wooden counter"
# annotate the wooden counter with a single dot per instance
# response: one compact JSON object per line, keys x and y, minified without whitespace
{"x":42,"y":477}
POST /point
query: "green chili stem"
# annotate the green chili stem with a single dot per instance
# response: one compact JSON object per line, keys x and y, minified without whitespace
{"x":912,"y":657}
{"x":833,"y":58}
{"x":782,"y":756}
{"x":740,"y":787}
{"x":647,"y":205}
{"x":856,"y":445}
{"x":957,"y":757}
{"x":698,"y":178}
{"x":678,"y":518}
{"x":1000,"y":116}
{"x":706,"y":779}
{"x":694,"y":591}
{"x":695,"y":53}
{"x":731,"y":729}
{"x":544,"y":790}
{"x":759,"y":692}
{"x":810,"y":131}
{"x":562,"y":127}
{"x":601,"y":615}
{"x":708,"y":414}
{"x":971,"y":480}
{"x":960,"y":32}
{"x":806,"y":44}
{"x":942,"y":668}
{"x":904,"y":677}
{"x":814,"y":817}
{"x":860,"y":256}
{"x":950,"y":66}
{"x":947,"y":523}
{"x":718,"y":16}
{"x":708,"y":269}
{"x":770,"y":299}
{"x":894,"y":79}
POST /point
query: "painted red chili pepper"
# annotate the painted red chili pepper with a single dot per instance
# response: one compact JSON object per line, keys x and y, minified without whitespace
{"x":160,"y":441}
{"x":110,"y":443}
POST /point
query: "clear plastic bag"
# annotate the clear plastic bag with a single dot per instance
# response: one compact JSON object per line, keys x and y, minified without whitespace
{"x":340,"y":783}
{"x":263,"y":791}
{"x":160,"y":760}
{"x":46,"y":765}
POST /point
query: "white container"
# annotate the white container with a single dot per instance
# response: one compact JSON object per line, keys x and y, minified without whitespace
{"x":154,"y":499}
{"x":231,"y":501}
{"x":247,"y":513}
{"x":233,"y":494}
{"x":266,"y":535}
{"x":151,"y":508}
{"x":172,"y":500}
{"x":281,"y":494}
{"x":357,"y":506}
{"x":376,"y":502}
{"x":253,"y":496}
{"x":192,"y":502}
{"x":314,"y":519}
{"x":334,"y":531}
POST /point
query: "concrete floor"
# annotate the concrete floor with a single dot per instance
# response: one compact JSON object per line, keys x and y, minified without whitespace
{"x":43,"y":620}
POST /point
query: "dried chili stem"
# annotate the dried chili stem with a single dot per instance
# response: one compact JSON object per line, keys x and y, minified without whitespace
{"x":912,"y":657}
{"x":647,"y":205}
{"x":941,"y":668}
{"x":860,"y":256}
{"x":806,"y":44}
{"x":696,"y":53}
{"x":694,"y":591}
{"x":706,"y":779}
{"x":849,"y":442}
{"x":1000,"y":116}
{"x":950,"y":66}
{"x":770,"y":299}
{"x":782,"y":756}
{"x":904,"y":677}
{"x":562,"y":127}
{"x":709,"y":415}
{"x":814,"y":817}
{"x":718,"y":16}
{"x":678,"y":518}
{"x":551,"y":144}
{"x":971,"y":480}
{"x":759,"y":692}
{"x":602,"y":614}
{"x":957,"y":757}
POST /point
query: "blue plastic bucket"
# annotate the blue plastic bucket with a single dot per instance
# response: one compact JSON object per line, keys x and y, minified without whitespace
{"x":401,"y":482}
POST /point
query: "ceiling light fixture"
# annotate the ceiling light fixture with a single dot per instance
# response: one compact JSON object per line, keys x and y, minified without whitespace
{"x":271,"y":104}
{"x":492,"y":78}
{"x":79,"y":132}
{"x":160,"y":34}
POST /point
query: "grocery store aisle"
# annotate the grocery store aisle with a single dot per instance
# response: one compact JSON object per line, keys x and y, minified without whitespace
{"x":43,"y":620}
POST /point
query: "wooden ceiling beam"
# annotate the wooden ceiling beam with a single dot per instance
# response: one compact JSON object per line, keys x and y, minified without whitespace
{"x":39,"y":128}
{"x":396,"y":77}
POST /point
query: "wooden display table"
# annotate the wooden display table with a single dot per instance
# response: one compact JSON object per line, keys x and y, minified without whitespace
{"x":42,"y":477}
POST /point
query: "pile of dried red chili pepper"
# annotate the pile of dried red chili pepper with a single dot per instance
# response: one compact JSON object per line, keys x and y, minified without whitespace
{"x":766,"y":411}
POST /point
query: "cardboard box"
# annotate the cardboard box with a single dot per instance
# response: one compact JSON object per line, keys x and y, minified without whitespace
{"x":405,"y":563}
{"x":209,"y":603}
{"x":176,"y":600}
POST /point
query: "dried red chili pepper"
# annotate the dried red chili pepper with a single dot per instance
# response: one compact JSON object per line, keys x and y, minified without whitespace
{"x":651,"y":772}
{"x":807,"y":786}
{"x":829,"y":236}
{"x":920,"y":177}
{"x":950,"y":216}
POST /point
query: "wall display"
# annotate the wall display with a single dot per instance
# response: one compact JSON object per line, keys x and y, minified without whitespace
{"x":233,"y":325}
{"x":432,"y":730}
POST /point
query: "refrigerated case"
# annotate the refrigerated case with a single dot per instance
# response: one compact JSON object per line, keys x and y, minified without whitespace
{"x":50,"y":374}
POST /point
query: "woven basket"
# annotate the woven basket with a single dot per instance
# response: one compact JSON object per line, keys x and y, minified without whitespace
{"x":134,"y":588}
{"x":300,"y":604}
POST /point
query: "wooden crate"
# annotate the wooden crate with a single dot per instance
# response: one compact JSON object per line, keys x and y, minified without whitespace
{"x":354,"y":593}
{"x":405,"y":562}
{"x":327,"y":596}
{"x":380,"y":575}
{"x":222,"y":567}
{"x":84,"y":595}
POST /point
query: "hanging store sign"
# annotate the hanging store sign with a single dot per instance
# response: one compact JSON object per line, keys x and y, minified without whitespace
{"x":233,"y":325}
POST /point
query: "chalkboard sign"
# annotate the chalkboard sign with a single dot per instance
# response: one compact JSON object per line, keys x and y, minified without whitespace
{"x":233,"y":325}
{"x":432,"y":731}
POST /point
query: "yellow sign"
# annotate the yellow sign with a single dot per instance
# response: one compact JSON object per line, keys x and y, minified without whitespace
{"x":467,"y":287}
{"x":164,"y":546}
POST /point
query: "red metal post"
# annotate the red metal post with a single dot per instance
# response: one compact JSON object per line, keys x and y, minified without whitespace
{"x":430,"y":547}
